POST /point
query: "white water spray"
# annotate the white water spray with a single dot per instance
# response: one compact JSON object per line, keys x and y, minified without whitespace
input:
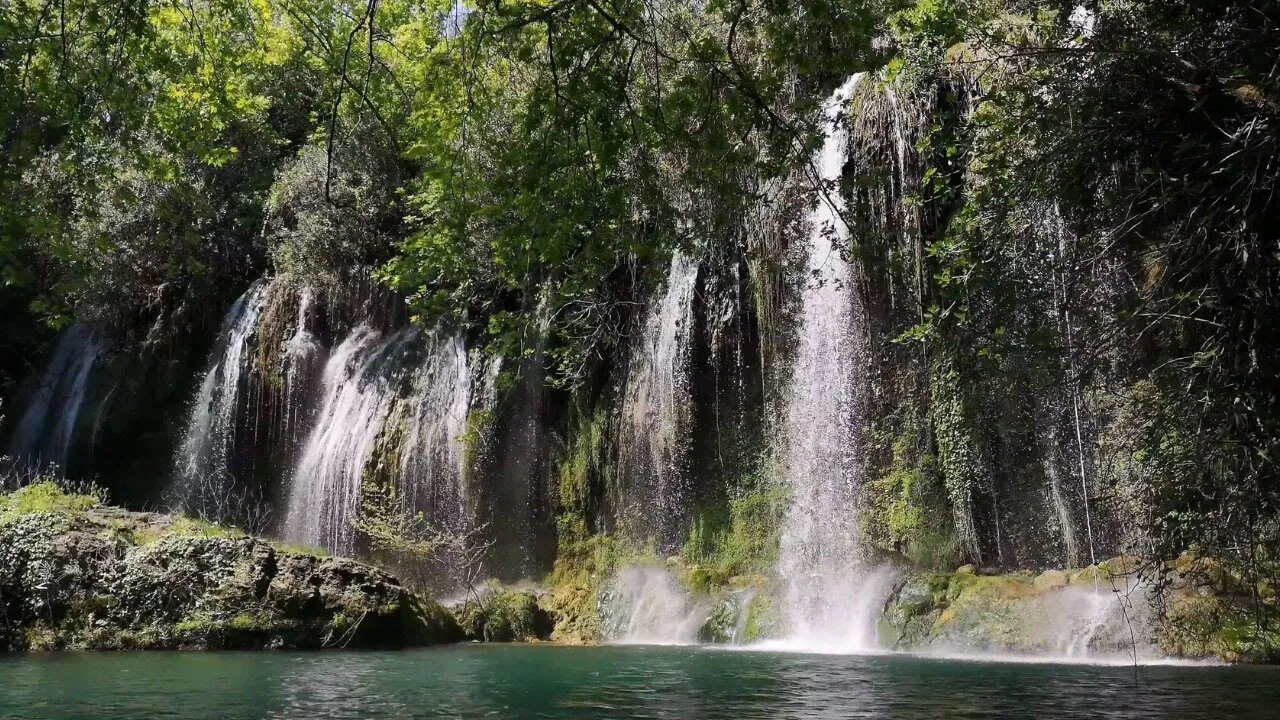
{"x":327,"y":479}
{"x":383,"y":399}
{"x":433,"y":465}
{"x":646,"y":605}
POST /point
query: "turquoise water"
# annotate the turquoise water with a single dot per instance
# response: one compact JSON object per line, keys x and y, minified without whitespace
{"x":613,"y":682}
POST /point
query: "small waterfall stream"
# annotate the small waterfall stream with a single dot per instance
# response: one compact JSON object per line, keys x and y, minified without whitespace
{"x":654,"y":438}
{"x":45,"y":434}
{"x":397,"y":404}
{"x":326,"y":482}
{"x":830,"y":599}
{"x":206,"y":461}
{"x":433,"y":464}
{"x":646,"y":605}
{"x":303,"y":356}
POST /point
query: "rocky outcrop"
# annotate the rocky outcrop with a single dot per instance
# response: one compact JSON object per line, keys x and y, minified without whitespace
{"x":78,"y":575}
{"x":1189,"y":609}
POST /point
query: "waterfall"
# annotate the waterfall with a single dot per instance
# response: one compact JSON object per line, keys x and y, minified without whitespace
{"x":206,"y":461}
{"x":326,"y":482}
{"x":303,"y":354}
{"x":45,"y":434}
{"x":433,"y":468}
{"x":393,"y":403}
{"x":654,"y":437}
{"x":830,"y":599}
{"x":645,"y":605}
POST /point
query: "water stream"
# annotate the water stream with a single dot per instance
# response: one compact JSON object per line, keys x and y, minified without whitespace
{"x":45,"y":435}
{"x":830,"y":597}
{"x":327,"y":480}
{"x":208,"y":457}
{"x":646,"y":605}
{"x":655,"y":436}
{"x":392,"y":404}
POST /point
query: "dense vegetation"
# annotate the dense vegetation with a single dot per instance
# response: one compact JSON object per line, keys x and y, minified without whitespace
{"x":1076,"y":239}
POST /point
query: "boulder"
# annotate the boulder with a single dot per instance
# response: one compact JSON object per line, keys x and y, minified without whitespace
{"x":97,"y":578}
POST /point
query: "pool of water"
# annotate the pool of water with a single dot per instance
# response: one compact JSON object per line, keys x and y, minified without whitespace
{"x":521,"y":681}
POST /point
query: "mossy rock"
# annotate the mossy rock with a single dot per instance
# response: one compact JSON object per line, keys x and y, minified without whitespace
{"x":1210,"y":626}
{"x":764,"y":619}
{"x":576,"y":614}
{"x":77,"y":575}
{"x":706,"y":580}
{"x":1051,"y":579}
{"x":721,"y":625}
{"x":44,"y":498}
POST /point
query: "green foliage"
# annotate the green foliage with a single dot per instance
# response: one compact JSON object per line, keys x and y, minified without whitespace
{"x":583,"y":463}
{"x":329,"y":216}
{"x":764,"y":619}
{"x":44,"y":497}
{"x":964,"y":468}
{"x":617,"y":125}
{"x":583,"y":563}
{"x":907,"y":508}
{"x":743,"y":540}
{"x":506,"y":616}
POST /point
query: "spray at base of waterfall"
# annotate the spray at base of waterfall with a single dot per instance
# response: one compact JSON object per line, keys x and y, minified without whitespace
{"x":646,"y":605}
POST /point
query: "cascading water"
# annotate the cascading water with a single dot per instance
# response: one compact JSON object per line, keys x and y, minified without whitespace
{"x":402,"y":393}
{"x":327,"y":479}
{"x":830,"y":598}
{"x":303,"y":354}
{"x":206,"y":461}
{"x":433,"y":466}
{"x":45,"y":434}
{"x":654,"y":437}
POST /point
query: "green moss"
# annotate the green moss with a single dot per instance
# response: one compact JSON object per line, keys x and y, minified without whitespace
{"x":705,"y":580}
{"x":961,"y":457}
{"x":721,"y":623}
{"x":298,"y":549}
{"x":251,"y":622}
{"x":584,"y":562}
{"x":144,"y":534}
{"x":479,"y":423}
{"x":583,"y":461}
{"x":735,"y":539}
{"x":906,"y":509}
{"x":764,"y":621}
{"x":44,"y":497}
{"x":43,"y":638}
{"x":194,"y":625}
{"x":1229,"y":627}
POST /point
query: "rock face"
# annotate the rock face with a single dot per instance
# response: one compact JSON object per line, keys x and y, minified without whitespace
{"x":1017,"y":613}
{"x":1190,"y":609}
{"x":78,"y":575}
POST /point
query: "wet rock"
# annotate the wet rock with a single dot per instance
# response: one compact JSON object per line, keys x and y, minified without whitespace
{"x":721,"y":625}
{"x":764,"y":620}
{"x":1012,"y":613}
{"x":1050,"y":579}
